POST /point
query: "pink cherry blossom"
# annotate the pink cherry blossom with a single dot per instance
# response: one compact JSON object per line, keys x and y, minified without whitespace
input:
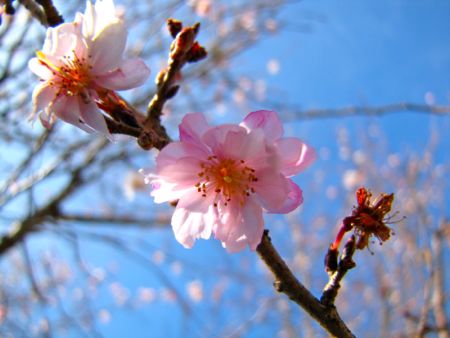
{"x":224,"y":177}
{"x":80,"y":66}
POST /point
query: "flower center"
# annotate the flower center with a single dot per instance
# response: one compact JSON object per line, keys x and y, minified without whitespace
{"x":72,"y":77}
{"x":227,"y":178}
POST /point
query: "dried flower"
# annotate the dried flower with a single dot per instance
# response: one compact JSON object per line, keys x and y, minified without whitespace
{"x":368,"y":219}
{"x":224,"y":177}
{"x":80,"y":66}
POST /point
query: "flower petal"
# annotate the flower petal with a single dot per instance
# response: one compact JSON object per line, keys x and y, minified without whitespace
{"x":183,"y":172}
{"x":91,"y":116}
{"x":67,"y":108}
{"x":215,"y":137}
{"x":192,"y":127}
{"x":43,"y":95}
{"x":295,"y":198}
{"x":106,"y":48}
{"x":132,"y":73}
{"x":253,"y":223}
{"x":266,"y":120}
{"x":176,"y":150}
{"x":271,"y":189}
{"x":188,"y":226}
{"x":240,"y":226}
{"x":39,"y":69}
{"x":295,"y":155}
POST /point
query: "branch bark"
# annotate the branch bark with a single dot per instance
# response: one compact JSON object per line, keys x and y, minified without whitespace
{"x":287,"y":283}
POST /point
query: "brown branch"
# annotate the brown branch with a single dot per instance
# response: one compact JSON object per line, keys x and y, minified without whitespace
{"x":346,"y":263}
{"x":183,"y":49}
{"x":50,"y":210}
{"x":115,"y":127}
{"x":438,"y":298}
{"x":113,"y":219}
{"x":51,"y":13}
{"x":287,"y":283}
{"x":36,"y":11}
{"x":372,"y":111}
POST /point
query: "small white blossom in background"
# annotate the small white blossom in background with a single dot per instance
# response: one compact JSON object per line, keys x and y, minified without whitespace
{"x":104,"y":316}
{"x":195,"y":290}
{"x":146,"y":295}
{"x":224,"y":177}
{"x":133,"y":183}
{"x":80,"y":67}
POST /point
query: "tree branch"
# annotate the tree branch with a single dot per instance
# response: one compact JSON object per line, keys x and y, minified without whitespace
{"x":287,"y":283}
{"x":346,"y":263}
{"x":371,"y":111}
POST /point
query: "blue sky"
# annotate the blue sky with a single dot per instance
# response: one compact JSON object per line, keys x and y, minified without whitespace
{"x":354,"y":53}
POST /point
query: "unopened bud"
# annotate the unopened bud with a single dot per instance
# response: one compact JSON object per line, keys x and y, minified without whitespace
{"x":183,"y":43}
{"x":174,"y":26}
{"x":331,"y":260}
{"x":196,"y":53}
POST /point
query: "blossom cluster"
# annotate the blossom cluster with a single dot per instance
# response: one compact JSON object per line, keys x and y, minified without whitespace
{"x":81,"y":65}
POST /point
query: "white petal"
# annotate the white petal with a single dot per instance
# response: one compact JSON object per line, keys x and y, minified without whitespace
{"x":106,"y":49}
{"x":188,"y":226}
{"x":132,"y":73}
{"x":39,"y":69}
{"x":43,"y":95}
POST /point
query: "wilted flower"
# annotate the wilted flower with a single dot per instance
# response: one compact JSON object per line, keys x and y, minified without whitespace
{"x":81,"y":64}
{"x":224,"y":177}
{"x":368,"y":219}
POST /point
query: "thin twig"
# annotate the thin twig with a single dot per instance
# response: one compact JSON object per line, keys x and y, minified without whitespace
{"x":51,"y":13}
{"x":346,"y":263}
{"x":35,"y":10}
{"x":21,"y":228}
{"x":370,"y":111}
{"x":287,"y":283}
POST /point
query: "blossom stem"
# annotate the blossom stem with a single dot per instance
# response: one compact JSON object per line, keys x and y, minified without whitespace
{"x":346,"y":263}
{"x":287,"y":283}
{"x":339,"y":237}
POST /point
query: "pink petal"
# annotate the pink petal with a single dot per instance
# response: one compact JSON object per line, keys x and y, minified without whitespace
{"x":192,"y":127}
{"x":295,"y":155}
{"x":132,"y":73}
{"x":194,"y":201}
{"x":271,"y":189}
{"x":182,"y":172}
{"x":240,"y":226}
{"x":253,"y":223}
{"x":107,"y":48}
{"x":215,"y":137}
{"x":67,"y":108}
{"x":295,"y":198}
{"x":240,"y":145}
{"x":176,"y":150}
{"x":188,"y":226}
{"x":92,"y":117}
{"x":266,"y":120}
{"x":230,"y":230}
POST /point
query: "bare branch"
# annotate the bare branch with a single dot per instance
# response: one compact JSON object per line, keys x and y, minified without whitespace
{"x":51,"y":13}
{"x":345,"y":263}
{"x":287,"y":283}
{"x":370,"y":111}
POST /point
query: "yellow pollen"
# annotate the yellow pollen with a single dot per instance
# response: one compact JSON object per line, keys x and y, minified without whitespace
{"x":72,"y":77}
{"x":227,"y":179}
